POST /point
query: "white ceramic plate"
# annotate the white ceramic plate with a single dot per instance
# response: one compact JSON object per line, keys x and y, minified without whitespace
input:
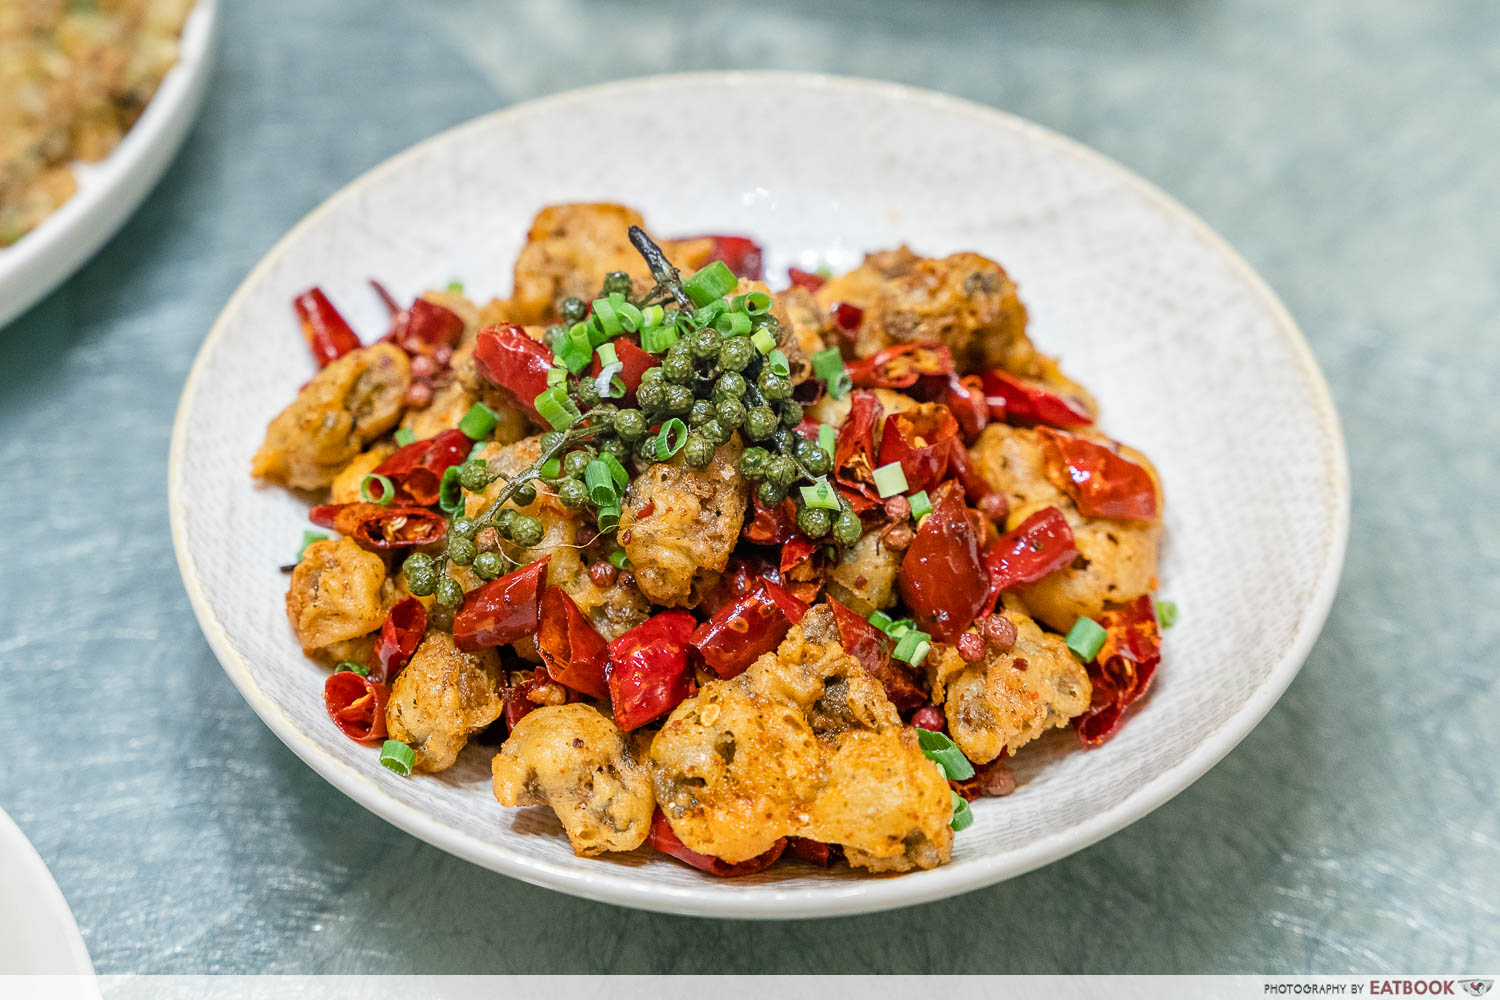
{"x":108,"y":191}
{"x":37,"y":933}
{"x":1191,"y":356}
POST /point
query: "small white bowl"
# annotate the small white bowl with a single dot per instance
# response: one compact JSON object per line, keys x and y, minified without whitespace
{"x":1192,"y":358}
{"x":41,"y":937}
{"x":110,"y":190}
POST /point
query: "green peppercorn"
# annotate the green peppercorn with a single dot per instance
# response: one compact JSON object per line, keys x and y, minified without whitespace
{"x":770,"y":493}
{"x":644,"y":449}
{"x":474,"y":476}
{"x":818,"y":462}
{"x":753,"y":462}
{"x":554,"y":333}
{"x":760,"y":423}
{"x":815,"y":522}
{"x":735,"y":354}
{"x":781,"y":470}
{"x":767,"y":322}
{"x":617,"y":282}
{"x":790,"y":412}
{"x":614,"y":446}
{"x":418,"y":562}
{"x":714,"y":431}
{"x":774,"y":387}
{"x":629,"y":424}
{"x":651,"y":395}
{"x":730,"y":413}
{"x":527,"y":532}
{"x":603,"y":412}
{"x":573,"y":309}
{"x":506,"y":520}
{"x":731,"y":385}
{"x":652,"y":374}
{"x":702,"y":412}
{"x":463,"y":527}
{"x":448,"y":593}
{"x":784,"y":440}
{"x":574,"y":462}
{"x":551,"y":440}
{"x":678,"y":400}
{"x":525,"y":495}
{"x":677,"y":368}
{"x":847,"y":528}
{"x":422,"y":581}
{"x":803,"y":449}
{"x":489,"y":565}
{"x":572,"y":493}
{"x":704,"y":344}
{"x":586,"y":392}
{"x":698,"y":451}
{"x":461,"y":550}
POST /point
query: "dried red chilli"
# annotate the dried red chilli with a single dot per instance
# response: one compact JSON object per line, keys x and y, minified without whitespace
{"x":743,"y":630}
{"x":1037,"y":547}
{"x":921,"y":440}
{"x":510,"y":360}
{"x":771,"y":525}
{"x":665,"y":840}
{"x":903,"y":685}
{"x":425,"y":327}
{"x":900,"y":367}
{"x":356,"y":704}
{"x":741,"y":254}
{"x":649,"y":670}
{"x":814,"y":852}
{"x":575,"y":653}
{"x":798,"y":278}
{"x":502,"y":611}
{"x":402,"y":632}
{"x":1101,"y":482}
{"x":961,"y":468}
{"x":942,"y":577}
{"x":964,"y":396}
{"x":1122,"y":669}
{"x":381,"y":529}
{"x":416,"y":470}
{"x":329,"y":337}
{"x":633,"y":362}
{"x":854,"y":453}
{"x":846,"y":319}
{"x":1025,"y":401}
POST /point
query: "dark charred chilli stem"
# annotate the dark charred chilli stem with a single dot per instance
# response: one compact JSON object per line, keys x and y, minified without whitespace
{"x":667,"y":277}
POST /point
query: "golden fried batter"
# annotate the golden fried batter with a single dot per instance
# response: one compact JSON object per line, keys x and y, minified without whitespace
{"x":443,"y":697}
{"x":865,"y":578}
{"x":1008,"y":699}
{"x":345,"y":485}
{"x":348,"y":404}
{"x":336,"y":594}
{"x":805,"y":744}
{"x":576,"y":760}
{"x":679,"y":524}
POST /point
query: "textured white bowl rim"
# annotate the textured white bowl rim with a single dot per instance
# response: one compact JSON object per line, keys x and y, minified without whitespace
{"x":110,"y":190}
{"x":625,"y":888}
{"x":50,"y":924}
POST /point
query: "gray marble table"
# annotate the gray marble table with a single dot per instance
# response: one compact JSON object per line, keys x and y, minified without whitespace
{"x":1351,"y":150}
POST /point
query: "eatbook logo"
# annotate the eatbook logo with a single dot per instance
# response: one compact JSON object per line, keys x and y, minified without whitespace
{"x":1477,"y":987}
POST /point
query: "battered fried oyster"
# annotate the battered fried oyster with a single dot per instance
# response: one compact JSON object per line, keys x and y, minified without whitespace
{"x":804,"y":744}
{"x":336,"y":594}
{"x":443,"y":697}
{"x":577,"y":761}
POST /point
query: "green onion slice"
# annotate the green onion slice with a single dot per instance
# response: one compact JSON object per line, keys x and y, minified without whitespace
{"x":450,"y":492}
{"x":606,"y":383}
{"x":671,"y":438}
{"x":557,"y":376}
{"x":732,"y":324}
{"x":763,"y":341}
{"x":890,"y":480}
{"x":938,"y":747}
{"x":474,"y":451}
{"x":551,"y":469}
{"x":881,"y":620}
{"x":709,"y":315}
{"x":921,"y":504}
{"x":1085,"y":638}
{"x":619,"y":560}
{"x":963,"y":816}
{"x":607,"y":355}
{"x":308,"y":537}
{"x":574,"y":349}
{"x":404,"y":437}
{"x":351,"y":667}
{"x":609,"y":518}
{"x":554,"y":406}
{"x":652,"y":316}
{"x":616,"y":470}
{"x":456,"y":287}
{"x":820,"y":495}
{"x":827,"y":438}
{"x":900,"y":627}
{"x":387,"y":490}
{"x":828,"y":363}
{"x":1166,"y":613}
{"x":840,"y":385}
{"x":397,"y":756}
{"x":479,"y":422}
{"x":630,"y":316}
{"x":606,"y":317}
{"x":912,"y":647}
{"x":600,"y":484}
{"x":778,"y":364}
{"x":756,"y":303}
{"x":710,"y":283}
{"x":656,"y":339}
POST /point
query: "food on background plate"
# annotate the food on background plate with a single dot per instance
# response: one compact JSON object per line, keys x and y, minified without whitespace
{"x":735,"y":573}
{"x":74,"y":77}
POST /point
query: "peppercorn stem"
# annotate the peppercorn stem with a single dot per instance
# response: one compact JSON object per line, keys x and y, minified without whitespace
{"x":667,"y":277}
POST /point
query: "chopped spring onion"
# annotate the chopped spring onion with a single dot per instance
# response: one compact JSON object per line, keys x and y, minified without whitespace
{"x":609,"y":518}
{"x":351,"y":667}
{"x":656,"y":339}
{"x":404,"y":437}
{"x":1085,"y":638}
{"x":827,"y":364}
{"x":839,"y":385}
{"x":474,"y":451}
{"x":755,"y":303}
{"x":778,"y":364}
{"x":551,"y":469}
{"x":732,"y":324}
{"x":554,"y":406}
{"x":616,"y":470}
{"x":600,"y":484}
{"x":827,"y":438}
{"x":397,"y":756}
{"x":881,"y":620}
{"x":557,"y":376}
{"x":574,"y":349}
{"x":671,"y":438}
{"x":450,"y":492}
{"x":938,"y":747}
{"x":912,"y":647}
{"x":820,"y":495}
{"x":455,"y":286}
{"x":710,"y":283}
{"x":763,"y":341}
{"x":619,"y":560}
{"x":630,"y":316}
{"x":387,"y":490}
{"x":709,"y":315}
{"x":963,"y":816}
{"x":479,"y":422}
{"x":606,"y":382}
{"x":308,"y":537}
{"x":606,"y":316}
{"x":1166,"y":613}
{"x":890,"y":480}
{"x":652,"y":316}
{"x":607,"y":355}
{"x":921,"y":504}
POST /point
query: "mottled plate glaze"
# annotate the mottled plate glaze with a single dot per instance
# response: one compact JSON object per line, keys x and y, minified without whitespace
{"x":1191,"y":356}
